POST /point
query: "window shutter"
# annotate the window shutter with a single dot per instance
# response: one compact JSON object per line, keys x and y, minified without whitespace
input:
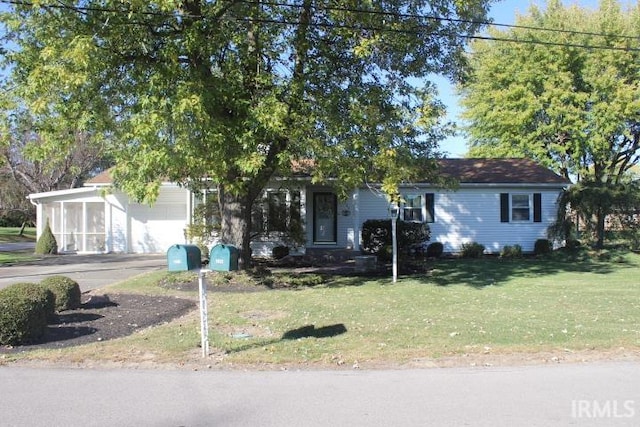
{"x":537,"y":207}
{"x":504,"y":207}
{"x":429,"y":201}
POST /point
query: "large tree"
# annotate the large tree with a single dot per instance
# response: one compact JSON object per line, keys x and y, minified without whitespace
{"x":47,"y":140}
{"x":232,"y":92}
{"x":565,"y":91}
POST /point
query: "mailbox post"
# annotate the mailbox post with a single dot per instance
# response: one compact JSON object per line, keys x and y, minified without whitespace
{"x":204,"y":315}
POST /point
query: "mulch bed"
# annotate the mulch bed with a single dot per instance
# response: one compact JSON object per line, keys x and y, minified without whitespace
{"x":100,"y":319}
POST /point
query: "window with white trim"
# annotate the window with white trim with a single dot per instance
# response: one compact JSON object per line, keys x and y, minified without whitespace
{"x":418,"y":207}
{"x":521,"y":207}
{"x":412,"y":208}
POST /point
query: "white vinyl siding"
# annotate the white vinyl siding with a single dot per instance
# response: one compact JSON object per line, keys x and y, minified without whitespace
{"x":472,"y":215}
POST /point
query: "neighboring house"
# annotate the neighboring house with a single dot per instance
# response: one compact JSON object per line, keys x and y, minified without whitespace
{"x":498,"y":202}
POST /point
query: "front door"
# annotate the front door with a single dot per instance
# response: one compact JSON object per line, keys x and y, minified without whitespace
{"x":324,"y":218}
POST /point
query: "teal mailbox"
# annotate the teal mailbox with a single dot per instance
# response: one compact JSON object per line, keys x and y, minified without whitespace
{"x":223,"y":258}
{"x":184,"y":258}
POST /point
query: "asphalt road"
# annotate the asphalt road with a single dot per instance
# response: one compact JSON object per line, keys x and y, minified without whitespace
{"x":90,"y":271}
{"x":551,"y":395}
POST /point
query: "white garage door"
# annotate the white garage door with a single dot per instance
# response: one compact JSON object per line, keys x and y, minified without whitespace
{"x":154,"y":229}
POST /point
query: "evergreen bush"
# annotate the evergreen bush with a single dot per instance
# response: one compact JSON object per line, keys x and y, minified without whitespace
{"x":65,"y":290}
{"x":435,"y":250}
{"x":24,"y":310}
{"x":472,"y":250}
{"x":509,"y":251}
{"x":46,"y":244}
{"x":542,"y":247}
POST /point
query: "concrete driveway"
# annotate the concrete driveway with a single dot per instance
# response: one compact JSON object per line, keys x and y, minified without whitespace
{"x":90,"y":271}
{"x":20,"y":246}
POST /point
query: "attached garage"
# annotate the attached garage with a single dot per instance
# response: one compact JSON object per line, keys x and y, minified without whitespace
{"x":156,"y":229}
{"x":92,"y":220}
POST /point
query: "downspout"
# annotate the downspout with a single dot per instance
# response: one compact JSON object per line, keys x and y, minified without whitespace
{"x":38,"y":206}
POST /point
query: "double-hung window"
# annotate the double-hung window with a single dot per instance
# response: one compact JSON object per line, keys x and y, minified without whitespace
{"x":520,"y":207}
{"x":412,"y":209}
{"x":418,"y":207}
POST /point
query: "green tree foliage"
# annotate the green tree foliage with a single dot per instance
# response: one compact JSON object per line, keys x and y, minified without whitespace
{"x":568,"y":97}
{"x":50,"y":138}
{"x":232,"y":92}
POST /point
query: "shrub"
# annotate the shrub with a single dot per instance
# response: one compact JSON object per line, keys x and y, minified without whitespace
{"x":376,"y":236}
{"x":542,"y":247}
{"x":46,"y":244}
{"x":514,"y":251}
{"x":435,"y":250}
{"x":65,"y":290}
{"x":471,"y":250}
{"x":24,"y":309}
{"x":280,"y":252}
{"x":573,"y":244}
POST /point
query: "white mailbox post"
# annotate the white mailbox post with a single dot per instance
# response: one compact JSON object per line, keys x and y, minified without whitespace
{"x":204,"y":316}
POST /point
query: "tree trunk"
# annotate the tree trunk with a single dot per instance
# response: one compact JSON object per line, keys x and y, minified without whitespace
{"x":235,"y":216}
{"x":600,"y":221}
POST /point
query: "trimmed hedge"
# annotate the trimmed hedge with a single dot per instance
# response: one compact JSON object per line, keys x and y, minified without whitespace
{"x":24,"y":310}
{"x":376,"y":236}
{"x":65,"y":290}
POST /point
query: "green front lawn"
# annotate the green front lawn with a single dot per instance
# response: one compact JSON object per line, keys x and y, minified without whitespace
{"x":12,"y":235}
{"x":466,"y":309}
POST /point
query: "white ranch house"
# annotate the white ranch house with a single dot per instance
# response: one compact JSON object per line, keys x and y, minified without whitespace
{"x":498,"y":202}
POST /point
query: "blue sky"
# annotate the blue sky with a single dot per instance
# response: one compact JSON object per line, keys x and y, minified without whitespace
{"x":503,"y":12}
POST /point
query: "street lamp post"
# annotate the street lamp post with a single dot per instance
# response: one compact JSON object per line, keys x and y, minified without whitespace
{"x":394,"y":210}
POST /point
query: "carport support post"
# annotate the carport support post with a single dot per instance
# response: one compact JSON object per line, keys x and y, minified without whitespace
{"x":204,"y":317}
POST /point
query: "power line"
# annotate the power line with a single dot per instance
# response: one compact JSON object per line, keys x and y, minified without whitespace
{"x":416,"y":30}
{"x":443,"y":34}
{"x":440,"y":18}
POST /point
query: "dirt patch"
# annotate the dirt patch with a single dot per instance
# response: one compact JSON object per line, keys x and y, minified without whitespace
{"x":101,"y":319}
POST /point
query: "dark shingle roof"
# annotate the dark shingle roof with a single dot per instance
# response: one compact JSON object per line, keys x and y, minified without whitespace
{"x":499,"y":171}
{"x":465,"y":171}
{"x":102,"y":178}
